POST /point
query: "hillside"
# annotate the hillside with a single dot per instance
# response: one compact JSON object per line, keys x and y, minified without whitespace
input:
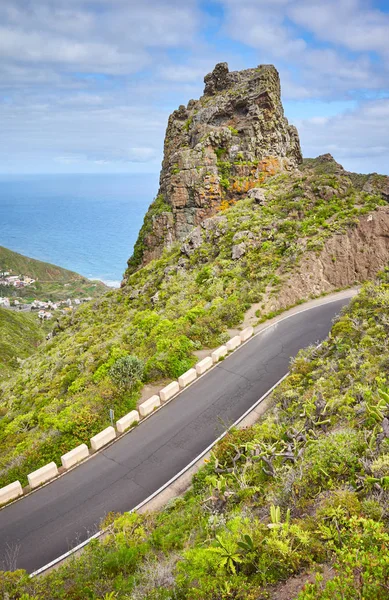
{"x":294,"y":507}
{"x":20,"y":334}
{"x":52,"y":282}
{"x":245,"y":258}
{"x":241,"y":229}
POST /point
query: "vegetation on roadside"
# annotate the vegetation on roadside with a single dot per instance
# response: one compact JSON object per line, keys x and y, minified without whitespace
{"x":303,"y":491}
{"x":182,"y":302}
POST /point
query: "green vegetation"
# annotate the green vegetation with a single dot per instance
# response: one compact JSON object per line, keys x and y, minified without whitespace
{"x":20,"y":334}
{"x":53,"y":283}
{"x":158,"y":207}
{"x":126,"y":372}
{"x":305,"y":490}
{"x":61,"y":396}
{"x":188,"y":123}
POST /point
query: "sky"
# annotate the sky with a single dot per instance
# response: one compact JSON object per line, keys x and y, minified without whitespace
{"x":86,"y":86}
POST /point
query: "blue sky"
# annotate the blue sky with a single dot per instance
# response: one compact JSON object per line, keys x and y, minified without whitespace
{"x":88,"y":85}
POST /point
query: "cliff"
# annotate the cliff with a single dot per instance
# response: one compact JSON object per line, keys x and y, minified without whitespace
{"x":216,"y":149}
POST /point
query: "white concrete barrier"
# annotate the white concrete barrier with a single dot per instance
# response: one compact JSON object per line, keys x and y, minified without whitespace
{"x":10,"y":492}
{"x":103,"y":438}
{"x":127,"y":421}
{"x":204,"y":365}
{"x":233,"y":343}
{"x":219,"y":353}
{"x":74,"y":456}
{"x":147,"y":407}
{"x":42,"y":475}
{"x":246,"y":334}
{"x":169,"y":391}
{"x":187,"y":378}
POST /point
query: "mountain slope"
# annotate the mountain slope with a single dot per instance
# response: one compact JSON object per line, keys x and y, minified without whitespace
{"x":305,"y":490}
{"x":53,"y":282}
{"x":20,"y":334}
{"x":185,"y":301}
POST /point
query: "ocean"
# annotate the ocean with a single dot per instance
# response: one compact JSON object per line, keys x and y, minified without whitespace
{"x":85,"y":223}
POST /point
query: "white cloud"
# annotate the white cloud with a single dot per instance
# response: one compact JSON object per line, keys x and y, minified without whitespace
{"x":144,"y":154}
{"x":274,"y":29}
{"x":358,"y":139}
{"x":112,"y":37}
{"x":90,"y":84}
{"x":349,"y":23}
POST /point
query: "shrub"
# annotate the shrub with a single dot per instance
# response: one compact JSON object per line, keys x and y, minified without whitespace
{"x":362,"y":567}
{"x":126,"y":372}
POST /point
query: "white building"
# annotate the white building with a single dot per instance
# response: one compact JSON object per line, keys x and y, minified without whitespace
{"x":5,"y":302}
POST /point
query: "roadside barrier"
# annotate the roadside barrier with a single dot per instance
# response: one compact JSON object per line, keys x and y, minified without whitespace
{"x":103,"y":438}
{"x":127,"y":421}
{"x":74,"y":456}
{"x":42,"y":475}
{"x":204,"y":365}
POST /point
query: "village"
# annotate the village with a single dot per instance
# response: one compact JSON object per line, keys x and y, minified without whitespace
{"x":45,"y":309}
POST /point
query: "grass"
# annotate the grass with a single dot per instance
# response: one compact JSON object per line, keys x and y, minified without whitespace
{"x":20,"y":335}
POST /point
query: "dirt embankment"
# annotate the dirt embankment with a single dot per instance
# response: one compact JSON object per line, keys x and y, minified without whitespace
{"x":345,"y":260}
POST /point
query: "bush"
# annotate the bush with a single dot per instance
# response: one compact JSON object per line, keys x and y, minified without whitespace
{"x":362,"y":568}
{"x":126,"y":372}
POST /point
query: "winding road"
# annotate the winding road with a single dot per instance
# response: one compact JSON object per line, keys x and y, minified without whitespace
{"x":47,"y":523}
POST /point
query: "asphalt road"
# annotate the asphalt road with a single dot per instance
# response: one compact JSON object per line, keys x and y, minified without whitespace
{"x":49,"y":522}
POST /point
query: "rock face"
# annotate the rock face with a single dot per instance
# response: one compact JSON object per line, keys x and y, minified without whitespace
{"x":216,"y":149}
{"x":347,"y":259}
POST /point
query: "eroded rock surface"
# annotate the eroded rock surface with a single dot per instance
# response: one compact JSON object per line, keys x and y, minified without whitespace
{"x":216,"y":149}
{"x":347,"y":259}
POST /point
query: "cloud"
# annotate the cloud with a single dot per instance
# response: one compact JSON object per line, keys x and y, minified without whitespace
{"x":90,"y":85}
{"x":349,"y":23}
{"x":282,"y":32}
{"x":36,"y":47}
{"x":144,"y":154}
{"x":115,"y":38}
{"x":358,"y":139}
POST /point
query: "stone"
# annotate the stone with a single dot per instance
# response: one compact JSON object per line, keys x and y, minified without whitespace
{"x":246,"y":334}
{"x":233,"y":343}
{"x":217,"y":80}
{"x":169,"y":391}
{"x":103,"y":438}
{"x":74,"y":456}
{"x":192,"y":242}
{"x":219,"y":353}
{"x":242,"y":234}
{"x":42,"y":475}
{"x":238,"y":251}
{"x":236,"y":133}
{"x":10,"y":492}
{"x":127,"y":421}
{"x":258,"y":195}
{"x":187,"y":378}
{"x":155,"y":298}
{"x":148,"y":406}
{"x":204,"y":365}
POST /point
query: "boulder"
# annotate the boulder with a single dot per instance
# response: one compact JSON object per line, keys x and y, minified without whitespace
{"x":238,"y":251}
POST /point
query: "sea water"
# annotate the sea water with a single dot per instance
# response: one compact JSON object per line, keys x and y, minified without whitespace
{"x":85,"y":223}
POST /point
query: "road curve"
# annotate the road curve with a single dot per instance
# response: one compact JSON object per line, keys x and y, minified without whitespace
{"x":47,"y":523}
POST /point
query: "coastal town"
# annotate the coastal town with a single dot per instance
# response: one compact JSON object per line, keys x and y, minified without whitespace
{"x":45,"y":309}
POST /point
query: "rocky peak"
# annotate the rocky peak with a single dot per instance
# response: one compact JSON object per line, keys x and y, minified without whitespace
{"x":216,"y":149}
